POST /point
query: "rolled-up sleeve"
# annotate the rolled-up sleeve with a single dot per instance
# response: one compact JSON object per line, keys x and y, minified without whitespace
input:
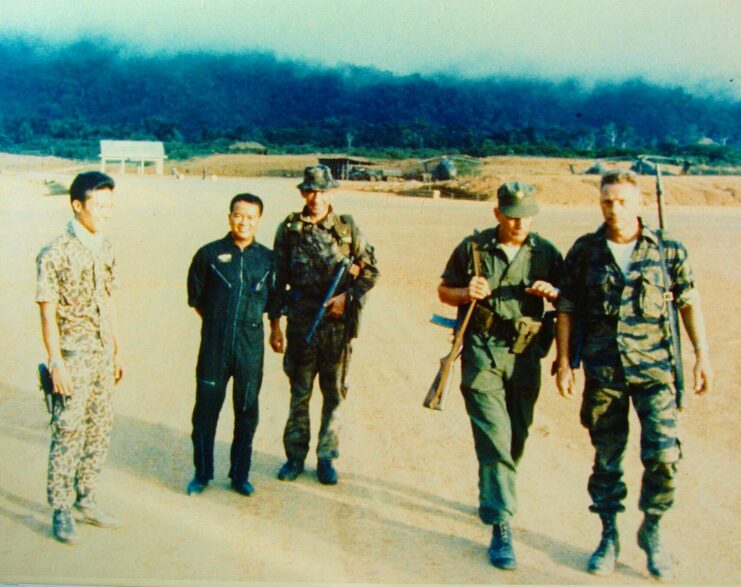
{"x":456,"y":273}
{"x":47,"y":282}
{"x":683,"y":280}
{"x":369,"y":272}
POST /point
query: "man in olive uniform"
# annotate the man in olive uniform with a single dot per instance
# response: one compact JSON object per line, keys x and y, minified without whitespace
{"x":614,"y":310}
{"x":76,"y":275}
{"x":502,"y":347}
{"x":310,"y":247}
{"x":230,"y":284}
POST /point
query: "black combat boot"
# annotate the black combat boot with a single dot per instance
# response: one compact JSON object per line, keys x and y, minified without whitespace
{"x":290,"y":470}
{"x":501,"y":553}
{"x":602,"y":561}
{"x":326,"y":472}
{"x":659,"y":563}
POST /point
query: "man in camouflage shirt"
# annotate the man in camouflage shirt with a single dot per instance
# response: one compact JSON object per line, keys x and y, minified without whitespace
{"x":501,"y":355}
{"x":309,"y":248}
{"x":75,"y":281}
{"x":613,"y":309}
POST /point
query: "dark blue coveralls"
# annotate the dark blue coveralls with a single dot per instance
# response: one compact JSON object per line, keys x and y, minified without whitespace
{"x":232,"y":288}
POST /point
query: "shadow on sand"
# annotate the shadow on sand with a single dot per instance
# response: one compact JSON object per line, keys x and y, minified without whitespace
{"x":372,"y":525}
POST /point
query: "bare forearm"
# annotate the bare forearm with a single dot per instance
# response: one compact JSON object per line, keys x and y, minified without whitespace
{"x":453,"y":296}
{"x":50,"y":330}
{"x":114,"y":325}
{"x":694,"y":323}
{"x":563,"y":336}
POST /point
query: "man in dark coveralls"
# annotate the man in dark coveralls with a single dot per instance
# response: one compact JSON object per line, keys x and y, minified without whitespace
{"x":230,"y":285}
{"x":309,"y":247}
{"x":503,"y":345}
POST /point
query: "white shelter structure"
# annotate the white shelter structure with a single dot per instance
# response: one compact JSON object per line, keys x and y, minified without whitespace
{"x":136,"y":151}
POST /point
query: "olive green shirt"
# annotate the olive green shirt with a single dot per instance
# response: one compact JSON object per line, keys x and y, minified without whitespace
{"x":537,"y":259}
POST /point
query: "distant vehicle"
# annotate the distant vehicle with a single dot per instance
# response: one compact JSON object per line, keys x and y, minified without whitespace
{"x":444,"y":170}
{"x":362,"y":173}
{"x":449,"y":167}
{"x":641,"y":164}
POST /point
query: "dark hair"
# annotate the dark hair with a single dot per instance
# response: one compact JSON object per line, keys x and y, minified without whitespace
{"x":249,"y":198}
{"x":89,"y":181}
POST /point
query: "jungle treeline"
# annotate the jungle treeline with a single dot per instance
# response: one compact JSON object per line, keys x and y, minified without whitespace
{"x":62,"y":99}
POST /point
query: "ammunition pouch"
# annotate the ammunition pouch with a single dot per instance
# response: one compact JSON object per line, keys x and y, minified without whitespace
{"x":482,"y":320}
{"x":526,"y":329}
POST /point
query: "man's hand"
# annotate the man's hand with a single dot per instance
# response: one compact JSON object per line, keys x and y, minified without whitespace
{"x":119,"y":366}
{"x":703,"y":373}
{"x":565,"y":380}
{"x":277,"y":342}
{"x":336,"y":305}
{"x":544,"y":290}
{"x":61,"y":379}
{"x":478,"y":288}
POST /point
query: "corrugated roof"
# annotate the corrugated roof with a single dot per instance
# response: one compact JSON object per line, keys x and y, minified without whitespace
{"x":132,"y":150}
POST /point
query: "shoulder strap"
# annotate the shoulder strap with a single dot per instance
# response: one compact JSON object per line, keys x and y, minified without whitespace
{"x":344,"y":224}
{"x":664,"y":268}
{"x":476,"y":254}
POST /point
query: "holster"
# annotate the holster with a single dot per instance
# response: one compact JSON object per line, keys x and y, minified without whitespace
{"x":526,"y":329}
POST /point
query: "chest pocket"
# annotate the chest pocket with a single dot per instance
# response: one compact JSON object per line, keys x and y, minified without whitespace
{"x":76,"y":284}
{"x":343,"y":235}
{"x":603,"y":292}
{"x":220,"y":273}
{"x":651,"y":298}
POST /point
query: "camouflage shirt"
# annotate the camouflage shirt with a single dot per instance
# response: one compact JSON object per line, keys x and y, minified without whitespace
{"x":80,"y":283}
{"x":625,"y":319}
{"x":307,"y":257}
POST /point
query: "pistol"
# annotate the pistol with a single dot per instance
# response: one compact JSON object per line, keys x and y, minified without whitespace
{"x":46,"y":385}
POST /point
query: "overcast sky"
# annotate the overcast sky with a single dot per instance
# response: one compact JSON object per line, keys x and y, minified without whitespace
{"x":688,"y":42}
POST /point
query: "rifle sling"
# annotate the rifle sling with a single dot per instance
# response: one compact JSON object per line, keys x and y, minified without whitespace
{"x":676,"y":348}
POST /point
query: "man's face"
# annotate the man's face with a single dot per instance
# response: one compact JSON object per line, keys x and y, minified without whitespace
{"x":620,"y":203}
{"x":317,"y":202}
{"x":512,"y":231}
{"x":243,"y":221}
{"x":95,"y":211}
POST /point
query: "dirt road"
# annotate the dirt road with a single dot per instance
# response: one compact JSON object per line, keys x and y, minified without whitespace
{"x":405,"y":508}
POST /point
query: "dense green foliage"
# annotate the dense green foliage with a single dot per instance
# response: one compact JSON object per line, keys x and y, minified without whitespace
{"x":62,"y":100}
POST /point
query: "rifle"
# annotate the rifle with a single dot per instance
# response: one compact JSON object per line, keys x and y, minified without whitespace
{"x":673,"y":319}
{"x":437,"y":396}
{"x":344,"y":264}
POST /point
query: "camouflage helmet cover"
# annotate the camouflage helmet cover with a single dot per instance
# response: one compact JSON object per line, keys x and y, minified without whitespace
{"x":317,"y":178}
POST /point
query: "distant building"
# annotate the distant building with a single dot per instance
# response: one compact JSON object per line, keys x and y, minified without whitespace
{"x":249,"y":147}
{"x":139,"y":152}
{"x":340,"y":165}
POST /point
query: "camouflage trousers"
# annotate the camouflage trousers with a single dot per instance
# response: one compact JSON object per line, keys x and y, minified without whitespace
{"x":81,"y":430}
{"x":604,"y":412}
{"x":329,"y":357}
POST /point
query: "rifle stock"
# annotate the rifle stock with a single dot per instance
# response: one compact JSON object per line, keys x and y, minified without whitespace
{"x":437,"y":396}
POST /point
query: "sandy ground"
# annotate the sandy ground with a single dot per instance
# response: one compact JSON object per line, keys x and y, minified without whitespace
{"x":405,"y":508}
